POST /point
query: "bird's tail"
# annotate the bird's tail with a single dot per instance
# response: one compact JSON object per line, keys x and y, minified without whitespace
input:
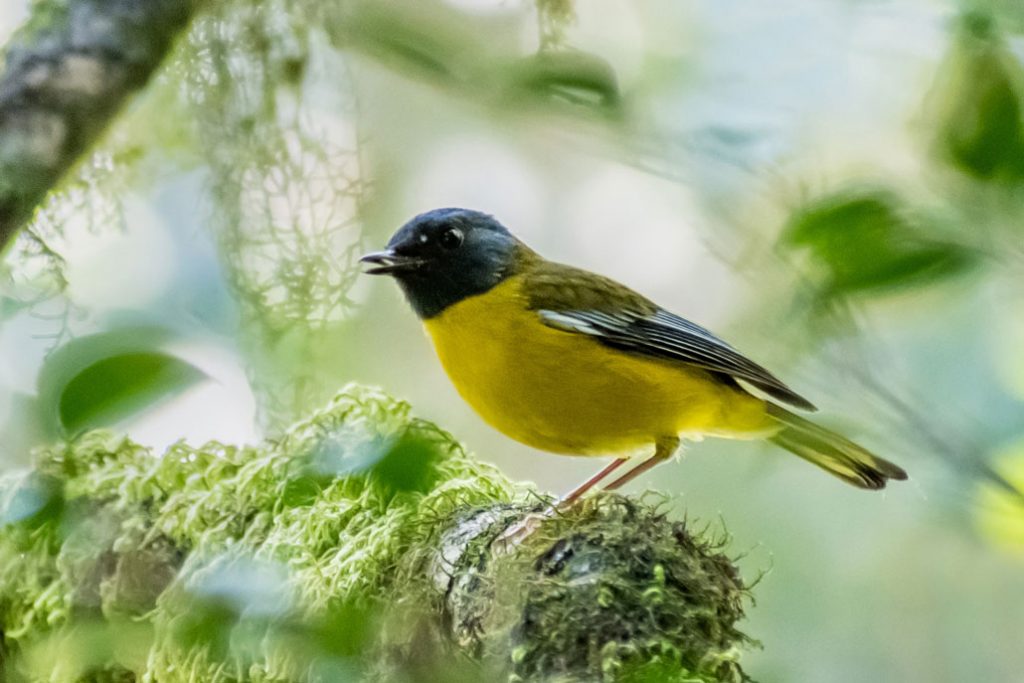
{"x":831,"y":452}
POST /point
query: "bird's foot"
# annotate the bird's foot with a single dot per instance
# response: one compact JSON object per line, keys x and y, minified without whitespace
{"x":512,"y":537}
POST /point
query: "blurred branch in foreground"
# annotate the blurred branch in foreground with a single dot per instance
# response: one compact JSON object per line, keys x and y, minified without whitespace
{"x":356,"y":547}
{"x":65,"y":77}
{"x":421,"y":44}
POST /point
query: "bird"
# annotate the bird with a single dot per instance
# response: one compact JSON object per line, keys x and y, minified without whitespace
{"x":572,"y":362}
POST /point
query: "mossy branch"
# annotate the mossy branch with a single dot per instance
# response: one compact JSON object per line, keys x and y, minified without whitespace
{"x":66,"y":75}
{"x":356,"y":547}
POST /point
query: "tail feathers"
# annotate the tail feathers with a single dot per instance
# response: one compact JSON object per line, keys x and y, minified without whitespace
{"x":832,"y":452}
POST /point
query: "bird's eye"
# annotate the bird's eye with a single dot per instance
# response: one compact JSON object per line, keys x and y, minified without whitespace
{"x":451,"y":238}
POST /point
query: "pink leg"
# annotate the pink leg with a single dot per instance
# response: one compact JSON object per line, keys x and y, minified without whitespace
{"x":574,"y":495}
{"x":663,"y":450}
{"x":520,"y":531}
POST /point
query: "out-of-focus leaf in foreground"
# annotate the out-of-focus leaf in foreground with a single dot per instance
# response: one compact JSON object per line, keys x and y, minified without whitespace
{"x":865,"y":240}
{"x":569,"y":76}
{"x":422,"y":44}
{"x":413,"y":40}
{"x":36,"y":499}
{"x":405,"y":463}
{"x":979,"y":103}
{"x":228,"y":600}
{"x":90,"y":650}
{"x":235,"y":609}
{"x":97,"y":380}
{"x":1000,"y":513}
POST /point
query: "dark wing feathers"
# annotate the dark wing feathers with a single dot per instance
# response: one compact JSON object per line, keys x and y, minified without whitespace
{"x":577,"y":301}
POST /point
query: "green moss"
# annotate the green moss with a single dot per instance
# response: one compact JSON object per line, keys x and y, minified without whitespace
{"x":131,"y":519}
{"x":328,"y":554}
{"x":621,"y":593}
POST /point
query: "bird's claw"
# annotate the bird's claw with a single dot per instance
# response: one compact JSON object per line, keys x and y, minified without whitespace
{"x":512,"y":537}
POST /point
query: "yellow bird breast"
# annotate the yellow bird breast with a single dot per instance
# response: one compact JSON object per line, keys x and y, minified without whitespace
{"x":567,"y":393}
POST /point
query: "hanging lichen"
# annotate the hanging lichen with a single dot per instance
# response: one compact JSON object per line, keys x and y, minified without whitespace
{"x":553,"y":17}
{"x":33,"y":273}
{"x":277,"y":125}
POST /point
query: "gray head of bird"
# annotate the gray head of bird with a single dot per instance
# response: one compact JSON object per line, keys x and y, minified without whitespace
{"x":446,"y":255}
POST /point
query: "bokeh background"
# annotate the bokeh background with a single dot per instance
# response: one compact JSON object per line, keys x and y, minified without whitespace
{"x":835,"y":186}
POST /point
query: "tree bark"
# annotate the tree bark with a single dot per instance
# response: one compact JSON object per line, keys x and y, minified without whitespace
{"x":67,"y":74}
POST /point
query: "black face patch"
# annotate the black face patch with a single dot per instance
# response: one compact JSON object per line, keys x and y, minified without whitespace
{"x":453,"y":254}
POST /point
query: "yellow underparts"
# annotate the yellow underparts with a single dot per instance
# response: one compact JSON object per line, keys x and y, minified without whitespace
{"x":567,"y":393}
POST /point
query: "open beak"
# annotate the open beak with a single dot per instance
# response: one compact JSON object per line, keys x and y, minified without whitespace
{"x":387,"y":262}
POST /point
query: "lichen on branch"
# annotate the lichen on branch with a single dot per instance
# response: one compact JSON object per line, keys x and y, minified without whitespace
{"x":273,"y":121}
{"x":358,"y":546}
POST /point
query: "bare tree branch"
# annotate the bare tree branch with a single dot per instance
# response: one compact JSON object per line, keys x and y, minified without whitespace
{"x":67,"y":74}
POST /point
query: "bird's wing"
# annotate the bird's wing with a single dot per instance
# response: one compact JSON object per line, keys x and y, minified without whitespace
{"x":577,"y":301}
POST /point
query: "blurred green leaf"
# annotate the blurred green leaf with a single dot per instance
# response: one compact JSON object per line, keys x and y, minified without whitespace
{"x":579,"y":78}
{"x":864,"y":241}
{"x":97,"y":380}
{"x":981,"y":93}
{"x":238,"y":607}
{"x":35,"y":500}
{"x":406,"y":462}
{"x":999,"y":513}
{"x":117,"y":387}
{"x":206,"y":623}
{"x":303,"y":489}
{"x":416,"y":41}
{"x":344,"y":631}
{"x":229,"y":606}
{"x":430,"y":42}
{"x":245,"y":585}
{"x":409,"y":463}
{"x":89,"y":650}
{"x":10,"y":307}
{"x":23,"y":427}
